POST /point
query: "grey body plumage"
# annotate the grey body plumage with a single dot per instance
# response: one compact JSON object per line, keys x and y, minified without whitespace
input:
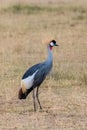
{"x":37,"y":75}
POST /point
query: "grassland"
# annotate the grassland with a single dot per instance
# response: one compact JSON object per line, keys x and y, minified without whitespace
{"x":23,"y":30}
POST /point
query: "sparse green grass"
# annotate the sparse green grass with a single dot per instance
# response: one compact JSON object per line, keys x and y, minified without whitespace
{"x":64,"y":93}
{"x":83,"y":78}
{"x":30,"y":9}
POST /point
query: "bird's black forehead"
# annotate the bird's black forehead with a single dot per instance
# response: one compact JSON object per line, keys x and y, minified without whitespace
{"x":53,"y":41}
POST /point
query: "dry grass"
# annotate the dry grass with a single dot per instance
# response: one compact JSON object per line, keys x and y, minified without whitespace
{"x":23,"y":28}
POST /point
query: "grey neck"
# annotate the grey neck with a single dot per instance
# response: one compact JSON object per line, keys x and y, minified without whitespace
{"x":50,"y":55}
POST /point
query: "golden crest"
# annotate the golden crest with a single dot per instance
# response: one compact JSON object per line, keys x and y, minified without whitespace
{"x":23,"y":86}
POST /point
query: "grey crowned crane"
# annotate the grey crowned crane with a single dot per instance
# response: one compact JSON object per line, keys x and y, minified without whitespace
{"x":35,"y":75}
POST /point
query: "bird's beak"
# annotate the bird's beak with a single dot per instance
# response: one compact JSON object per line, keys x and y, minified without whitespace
{"x":56,"y":44}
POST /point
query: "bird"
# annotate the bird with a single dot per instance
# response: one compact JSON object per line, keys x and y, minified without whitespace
{"x":35,"y":75}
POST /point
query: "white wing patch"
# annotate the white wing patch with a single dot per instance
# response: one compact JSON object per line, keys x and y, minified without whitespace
{"x":28,"y":82}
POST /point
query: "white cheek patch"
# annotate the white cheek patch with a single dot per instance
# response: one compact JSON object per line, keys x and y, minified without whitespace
{"x":52,"y":44}
{"x":27,"y":82}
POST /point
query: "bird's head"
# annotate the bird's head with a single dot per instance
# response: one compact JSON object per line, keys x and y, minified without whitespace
{"x":21,"y":94}
{"x":52,"y":44}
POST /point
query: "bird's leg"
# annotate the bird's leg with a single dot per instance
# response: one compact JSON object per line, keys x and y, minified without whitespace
{"x":38,"y":98}
{"x":34,"y":99}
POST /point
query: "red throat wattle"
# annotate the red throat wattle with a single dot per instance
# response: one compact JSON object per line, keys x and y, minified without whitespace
{"x":51,"y":47}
